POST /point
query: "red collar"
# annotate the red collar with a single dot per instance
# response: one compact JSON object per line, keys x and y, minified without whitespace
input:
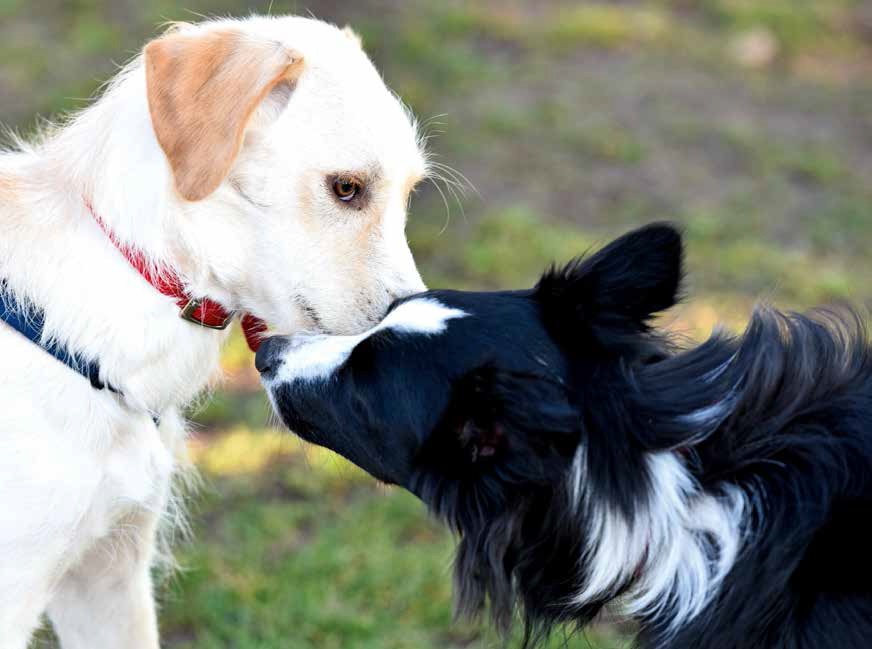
{"x":200,"y":311}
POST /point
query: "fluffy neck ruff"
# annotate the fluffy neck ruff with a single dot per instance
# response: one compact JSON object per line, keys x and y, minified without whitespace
{"x":664,"y":560}
{"x":657,"y":540}
{"x":691,"y":467}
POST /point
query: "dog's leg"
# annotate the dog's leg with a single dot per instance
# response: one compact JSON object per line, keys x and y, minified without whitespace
{"x":25,"y":589}
{"x":105,"y":601}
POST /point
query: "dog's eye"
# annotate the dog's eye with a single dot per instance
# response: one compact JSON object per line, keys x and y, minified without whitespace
{"x":346,"y":188}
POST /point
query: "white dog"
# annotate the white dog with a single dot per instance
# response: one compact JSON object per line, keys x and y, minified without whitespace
{"x":261,"y":165}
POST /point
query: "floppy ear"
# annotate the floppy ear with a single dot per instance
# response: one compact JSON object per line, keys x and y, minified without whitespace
{"x":619,"y":288}
{"x":497,"y":417}
{"x":202,"y":90}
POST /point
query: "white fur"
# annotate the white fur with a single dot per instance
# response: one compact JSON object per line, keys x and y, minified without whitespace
{"x":664,"y":543}
{"x":318,"y":357}
{"x":85,"y":475}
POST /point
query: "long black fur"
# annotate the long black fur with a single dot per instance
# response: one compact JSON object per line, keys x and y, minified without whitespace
{"x":798,"y":438}
{"x":484,"y":423}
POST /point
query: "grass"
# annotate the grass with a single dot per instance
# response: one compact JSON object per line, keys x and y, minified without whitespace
{"x":574,"y":121}
{"x":318,"y":556}
{"x":321,"y":557}
{"x":605,"y":25}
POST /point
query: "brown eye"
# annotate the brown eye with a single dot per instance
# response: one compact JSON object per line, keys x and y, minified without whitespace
{"x":346,"y":189}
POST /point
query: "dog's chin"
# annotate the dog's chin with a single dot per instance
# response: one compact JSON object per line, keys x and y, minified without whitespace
{"x":350,"y":319}
{"x":313,"y":434}
{"x":299,"y":321}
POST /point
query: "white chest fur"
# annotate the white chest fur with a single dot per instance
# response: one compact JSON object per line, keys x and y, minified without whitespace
{"x":85,"y":475}
{"x":74,"y":461}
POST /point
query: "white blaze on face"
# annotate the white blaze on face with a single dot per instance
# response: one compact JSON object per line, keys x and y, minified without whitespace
{"x":310,"y":357}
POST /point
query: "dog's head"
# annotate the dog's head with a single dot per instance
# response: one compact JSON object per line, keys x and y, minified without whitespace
{"x":292,"y":165}
{"x":476,"y":402}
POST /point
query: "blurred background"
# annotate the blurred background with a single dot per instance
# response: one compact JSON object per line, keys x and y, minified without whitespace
{"x":747,"y":121}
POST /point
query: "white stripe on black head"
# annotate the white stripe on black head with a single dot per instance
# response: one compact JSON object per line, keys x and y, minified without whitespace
{"x":312,"y":357}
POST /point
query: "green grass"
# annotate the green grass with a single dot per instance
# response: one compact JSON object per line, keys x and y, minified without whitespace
{"x":574,"y":121}
{"x":307,"y":554}
{"x":297,"y":549}
{"x":606,"y":25}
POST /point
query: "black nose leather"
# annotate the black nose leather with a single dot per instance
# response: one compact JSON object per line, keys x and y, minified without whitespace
{"x":269,"y":354}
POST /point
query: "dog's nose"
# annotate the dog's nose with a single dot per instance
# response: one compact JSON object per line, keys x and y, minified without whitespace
{"x":269,"y":354}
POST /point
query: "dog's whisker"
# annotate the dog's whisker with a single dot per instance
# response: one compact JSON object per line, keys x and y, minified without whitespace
{"x":447,"y":207}
{"x":459,"y":177}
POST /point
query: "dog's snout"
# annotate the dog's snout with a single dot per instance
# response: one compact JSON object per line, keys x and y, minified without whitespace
{"x":269,"y":354}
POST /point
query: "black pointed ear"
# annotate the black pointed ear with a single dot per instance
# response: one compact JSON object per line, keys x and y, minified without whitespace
{"x":618,"y":289}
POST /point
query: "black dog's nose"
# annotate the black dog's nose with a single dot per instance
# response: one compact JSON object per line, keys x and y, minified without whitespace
{"x":269,"y":354}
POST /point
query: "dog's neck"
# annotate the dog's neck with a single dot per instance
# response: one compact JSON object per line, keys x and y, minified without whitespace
{"x":652,"y":534}
{"x":94,"y":301}
{"x":668,"y":557}
{"x":108,"y":156}
{"x":656,"y":480}
{"x":734,"y":433}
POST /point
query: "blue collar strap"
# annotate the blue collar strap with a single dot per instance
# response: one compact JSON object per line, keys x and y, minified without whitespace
{"x":30,"y":323}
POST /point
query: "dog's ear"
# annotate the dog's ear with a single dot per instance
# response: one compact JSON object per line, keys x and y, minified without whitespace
{"x":514,"y":420}
{"x":202,"y":91}
{"x":618,"y":289}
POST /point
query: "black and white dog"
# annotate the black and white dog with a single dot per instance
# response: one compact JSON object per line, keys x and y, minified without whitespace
{"x":720,"y":495}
